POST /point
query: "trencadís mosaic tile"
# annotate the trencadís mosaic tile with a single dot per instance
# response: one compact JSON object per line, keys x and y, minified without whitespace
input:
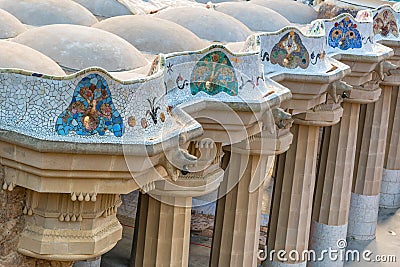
{"x":385,"y":22}
{"x":89,"y":106}
{"x":292,"y":50}
{"x":217,"y":74}
{"x":346,"y":34}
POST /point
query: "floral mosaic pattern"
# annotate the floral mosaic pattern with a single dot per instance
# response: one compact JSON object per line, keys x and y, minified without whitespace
{"x":152,"y":113}
{"x":213,"y":74}
{"x":385,"y":23}
{"x":345,"y":35}
{"x":290,"y":52}
{"x":91,"y":110}
{"x":317,"y":28}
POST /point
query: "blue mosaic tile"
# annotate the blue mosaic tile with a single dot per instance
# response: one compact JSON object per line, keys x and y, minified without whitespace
{"x":345,"y":35}
{"x":91,"y":110}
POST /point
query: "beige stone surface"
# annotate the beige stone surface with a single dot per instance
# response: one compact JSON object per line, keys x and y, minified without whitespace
{"x":336,"y":168}
{"x":238,"y":215}
{"x":290,"y":219}
{"x":371,"y":143}
{"x":162,"y":233}
{"x":392,"y":154}
{"x":12,"y":222}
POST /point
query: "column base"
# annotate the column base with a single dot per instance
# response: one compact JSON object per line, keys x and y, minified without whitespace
{"x":363,"y":216}
{"x":324,"y":238}
{"x":88,"y":263}
{"x":390,"y":189}
{"x":284,"y":264}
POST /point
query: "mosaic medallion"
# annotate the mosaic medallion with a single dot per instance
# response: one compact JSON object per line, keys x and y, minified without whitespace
{"x":91,"y":110}
{"x":385,"y":23}
{"x":290,"y":52}
{"x":345,"y":35}
{"x":214,"y":74}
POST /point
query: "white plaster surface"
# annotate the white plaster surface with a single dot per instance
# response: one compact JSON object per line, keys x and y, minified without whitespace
{"x":105,"y":8}
{"x":295,"y":12}
{"x":23,"y":57}
{"x":45,"y":12}
{"x":257,"y":18}
{"x":78,"y":47}
{"x":152,"y":35}
{"x":390,"y":189}
{"x":10,"y":26}
{"x":363,"y":216}
{"x":208,"y":24}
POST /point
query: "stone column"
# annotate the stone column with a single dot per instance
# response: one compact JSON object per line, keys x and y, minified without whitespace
{"x":12,"y":221}
{"x":238,"y":213}
{"x":333,"y":188}
{"x":370,"y":153}
{"x":290,"y":219}
{"x":390,"y":189}
{"x":162,"y":232}
{"x":88,"y":263}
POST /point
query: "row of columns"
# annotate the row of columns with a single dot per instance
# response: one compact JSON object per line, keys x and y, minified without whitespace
{"x":327,"y":187}
{"x":390,"y":187}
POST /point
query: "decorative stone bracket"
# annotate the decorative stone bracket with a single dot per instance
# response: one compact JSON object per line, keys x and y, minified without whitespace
{"x":339,"y":90}
{"x":385,"y":68}
{"x":177,"y":160}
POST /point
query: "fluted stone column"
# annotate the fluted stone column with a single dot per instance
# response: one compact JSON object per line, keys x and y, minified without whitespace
{"x":238,"y":215}
{"x":333,"y":188}
{"x":162,"y":232}
{"x":290,"y":219}
{"x":370,"y":153}
{"x":390,"y":188}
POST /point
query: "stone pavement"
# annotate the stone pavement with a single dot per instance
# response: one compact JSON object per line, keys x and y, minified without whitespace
{"x":387,"y":242}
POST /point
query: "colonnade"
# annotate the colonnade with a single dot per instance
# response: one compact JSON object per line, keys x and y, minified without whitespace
{"x":332,"y":136}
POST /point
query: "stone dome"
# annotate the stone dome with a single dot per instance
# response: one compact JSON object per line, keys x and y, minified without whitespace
{"x":105,"y":8}
{"x":257,"y":18}
{"x":295,"y":12}
{"x":45,"y":12}
{"x":10,"y":26}
{"x":207,"y":24}
{"x":22,"y":57}
{"x":152,"y":35}
{"x":77,"y":47}
{"x":216,"y":1}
